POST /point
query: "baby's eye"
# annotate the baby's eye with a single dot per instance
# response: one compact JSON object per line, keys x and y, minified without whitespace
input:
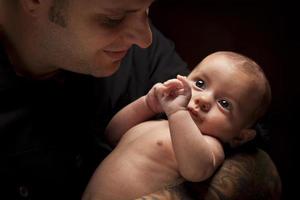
{"x":225,"y":104}
{"x":200,"y":84}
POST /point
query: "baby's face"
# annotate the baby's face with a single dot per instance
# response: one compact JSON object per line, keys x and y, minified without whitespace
{"x":223,"y":98}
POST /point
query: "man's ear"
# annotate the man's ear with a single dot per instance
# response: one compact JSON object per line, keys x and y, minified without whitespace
{"x":244,"y":136}
{"x":31,"y":6}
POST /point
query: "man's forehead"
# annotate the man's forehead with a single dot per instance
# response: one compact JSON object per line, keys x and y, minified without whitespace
{"x":122,"y":5}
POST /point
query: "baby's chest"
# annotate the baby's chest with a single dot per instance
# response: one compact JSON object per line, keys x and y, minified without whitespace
{"x":154,"y":142}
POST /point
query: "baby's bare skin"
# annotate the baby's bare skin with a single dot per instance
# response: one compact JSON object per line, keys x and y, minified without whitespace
{"x":202,"y":114}
{"x":150,"y":169}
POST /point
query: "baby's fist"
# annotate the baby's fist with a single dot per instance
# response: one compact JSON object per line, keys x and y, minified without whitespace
{"x":151,"y":99}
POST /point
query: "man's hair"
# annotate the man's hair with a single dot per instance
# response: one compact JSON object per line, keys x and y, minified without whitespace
{"x":58,"y":12}
{"x":250,"y":67}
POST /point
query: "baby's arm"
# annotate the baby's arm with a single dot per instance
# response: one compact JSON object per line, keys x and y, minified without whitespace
{"x":197,"y":155}
{"x":134,"y":113}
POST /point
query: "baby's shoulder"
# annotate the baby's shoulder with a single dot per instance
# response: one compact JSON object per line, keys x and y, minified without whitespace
{"x":217,"y":148}
{"x":152,"y":125}
{"x":147,"y":131}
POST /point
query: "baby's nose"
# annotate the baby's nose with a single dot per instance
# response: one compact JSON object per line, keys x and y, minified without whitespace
{"x":205,"y":107}
{"x":203,"y":102}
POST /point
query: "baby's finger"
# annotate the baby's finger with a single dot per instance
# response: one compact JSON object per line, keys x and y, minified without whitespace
{"x":180,"y":92}
{"x":184,"y":81}
{"x":157,"y":85}
{"x":161,"y":96}
{"x":173,"y":83}
{"x":160,"y":90}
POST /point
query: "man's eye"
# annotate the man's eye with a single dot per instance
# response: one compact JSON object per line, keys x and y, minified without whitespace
{"x":225,"y":104}
{"x":200,"y":84}
{"x":111,"y":22}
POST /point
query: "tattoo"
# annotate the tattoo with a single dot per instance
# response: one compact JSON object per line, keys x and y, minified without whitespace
{"x":57,"y":12}
{"x":166,"y":194}
{"x":247,"y":176}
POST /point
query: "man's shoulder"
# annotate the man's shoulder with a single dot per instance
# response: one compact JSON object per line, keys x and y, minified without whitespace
{"x":8,"y":77}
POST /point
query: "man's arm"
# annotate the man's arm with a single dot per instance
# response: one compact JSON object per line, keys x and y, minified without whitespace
{"x":247,"y":175}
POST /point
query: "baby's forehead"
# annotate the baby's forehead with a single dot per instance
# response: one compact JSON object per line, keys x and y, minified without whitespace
{"x":223,"y":62}
{"x":211,"y":67}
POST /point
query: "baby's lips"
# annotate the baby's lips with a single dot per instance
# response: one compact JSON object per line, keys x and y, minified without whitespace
{"x":192,"y":111}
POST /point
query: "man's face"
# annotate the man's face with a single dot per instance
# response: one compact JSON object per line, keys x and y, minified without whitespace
{"x":92,"y":37}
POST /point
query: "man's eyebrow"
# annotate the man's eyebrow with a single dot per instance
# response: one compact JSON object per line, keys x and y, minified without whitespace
{"x":114,"y":10}
{"x":122,"y":10}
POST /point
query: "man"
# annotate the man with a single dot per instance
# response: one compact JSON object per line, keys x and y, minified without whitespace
{"x":66,"y":66}
{"x":56,"y":96}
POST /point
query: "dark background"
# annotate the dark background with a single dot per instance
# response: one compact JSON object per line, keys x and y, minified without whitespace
{"x":264,"y":30}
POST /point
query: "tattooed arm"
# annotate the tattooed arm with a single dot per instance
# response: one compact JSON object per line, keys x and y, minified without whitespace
{"x":246,"y":175}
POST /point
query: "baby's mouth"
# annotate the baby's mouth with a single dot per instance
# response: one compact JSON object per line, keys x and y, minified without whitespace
{"x":192,"y":111}
{"x":194,"y":114}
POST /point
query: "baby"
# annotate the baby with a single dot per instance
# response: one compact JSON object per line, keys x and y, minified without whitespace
{"x":217,"y":104}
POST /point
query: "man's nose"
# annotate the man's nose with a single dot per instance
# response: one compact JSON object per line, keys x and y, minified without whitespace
{"x":203,"y":102}
{"x":138,"y":30}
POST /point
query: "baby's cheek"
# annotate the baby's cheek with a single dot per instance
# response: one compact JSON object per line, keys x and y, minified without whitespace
{"x":216,"y":124}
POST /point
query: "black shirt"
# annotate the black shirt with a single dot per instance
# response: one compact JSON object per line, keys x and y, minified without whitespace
{"x":50,"y":130}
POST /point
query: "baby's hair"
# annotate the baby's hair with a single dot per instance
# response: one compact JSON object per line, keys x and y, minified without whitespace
{"x":250,"y":67}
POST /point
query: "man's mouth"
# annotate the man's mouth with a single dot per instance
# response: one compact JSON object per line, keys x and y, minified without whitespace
{"x":116,"y":55}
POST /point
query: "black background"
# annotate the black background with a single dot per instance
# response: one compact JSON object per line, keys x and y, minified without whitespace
{"x":265,"y":30}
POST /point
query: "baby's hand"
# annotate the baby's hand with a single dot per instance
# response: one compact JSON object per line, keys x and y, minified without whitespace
{"x":174,"y":94}
{"x":152,"y":101}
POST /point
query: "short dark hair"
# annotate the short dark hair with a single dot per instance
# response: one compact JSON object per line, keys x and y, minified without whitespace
{"x":57,"y":12}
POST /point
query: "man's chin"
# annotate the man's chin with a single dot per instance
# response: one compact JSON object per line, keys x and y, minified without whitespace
{"x":107,"y":71}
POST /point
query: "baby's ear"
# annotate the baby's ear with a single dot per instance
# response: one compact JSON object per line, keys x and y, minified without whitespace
{"x":244,"y":136}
